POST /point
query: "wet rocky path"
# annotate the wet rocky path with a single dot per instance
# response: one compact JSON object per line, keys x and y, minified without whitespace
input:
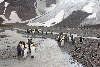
{"x":48,"y":53}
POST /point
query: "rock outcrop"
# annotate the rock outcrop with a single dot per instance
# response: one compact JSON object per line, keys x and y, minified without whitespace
{"x":24,"y":8}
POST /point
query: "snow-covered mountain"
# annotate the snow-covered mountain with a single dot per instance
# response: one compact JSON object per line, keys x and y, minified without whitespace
{"x":46,"y":12}
{"x":68,"y":6}
{"x":25,"y":9}
{"x":94,"y":9}
{"x":1,"y":1}
{"x":58,"y":18}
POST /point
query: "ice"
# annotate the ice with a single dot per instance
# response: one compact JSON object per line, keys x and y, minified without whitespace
{"x":52,"y":6}
{"x":67,"y":5}
{"x":94,"y":8}
{"x":13,"y":18}
{"x":92,"y":16}
{"x":92,"y":38}
{"x":89,"y":7}
{"x":3,"y":17}
{"x":58,"y":18}
{"x":6,"y":4}
{"x":1,"y":1}
{"x":35,"y":24}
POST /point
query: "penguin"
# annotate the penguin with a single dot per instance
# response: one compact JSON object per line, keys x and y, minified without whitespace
{"x":25,"y":52}
{"x":32,"y":50}
{"x":62,"y":40}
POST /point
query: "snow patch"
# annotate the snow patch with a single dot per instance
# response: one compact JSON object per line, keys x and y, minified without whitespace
{"x":92,"y":38}
{"x":52,"y":6}
{"x":1,"y":1}
{"x":6,"y":4}
{"x":58,"y":18}
{"x":93,"y":8}
{"x":89,"y":7}
{"x":13,"y":18}
{"x":92,"y":16}
{"x":35,"y":24}
{"x":2,"y":16}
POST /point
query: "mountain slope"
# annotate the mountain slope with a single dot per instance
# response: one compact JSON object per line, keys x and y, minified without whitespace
{"x":74,"y":19}
{"x":24,"y":8}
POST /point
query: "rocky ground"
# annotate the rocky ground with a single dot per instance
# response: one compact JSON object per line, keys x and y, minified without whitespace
{"x":86,"y":53}
{"x":48,"y":53}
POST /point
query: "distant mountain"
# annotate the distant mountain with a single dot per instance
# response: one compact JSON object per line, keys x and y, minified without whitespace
{"x":74,"y":19}
{"x":24,"y":8}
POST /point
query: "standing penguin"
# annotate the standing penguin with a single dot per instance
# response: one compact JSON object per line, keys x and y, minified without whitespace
{"x":32,"y":50}
{"x":22,"y":46}
{"x":62,"y":40}
{"x":72,"y":38}
{"x":69,"y":39}
{"x":81,"y":40}
{"x":25,"y":52}
{"x":98,"y":44}
{"x":58,"y":38}
{"x":73,"y":41}
{"x":29,"y":44}
{"x":66,"y":37}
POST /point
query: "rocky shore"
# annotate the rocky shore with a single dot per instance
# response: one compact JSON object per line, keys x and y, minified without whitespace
{"x":8,"y":53}
{"x":86,"y":53}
